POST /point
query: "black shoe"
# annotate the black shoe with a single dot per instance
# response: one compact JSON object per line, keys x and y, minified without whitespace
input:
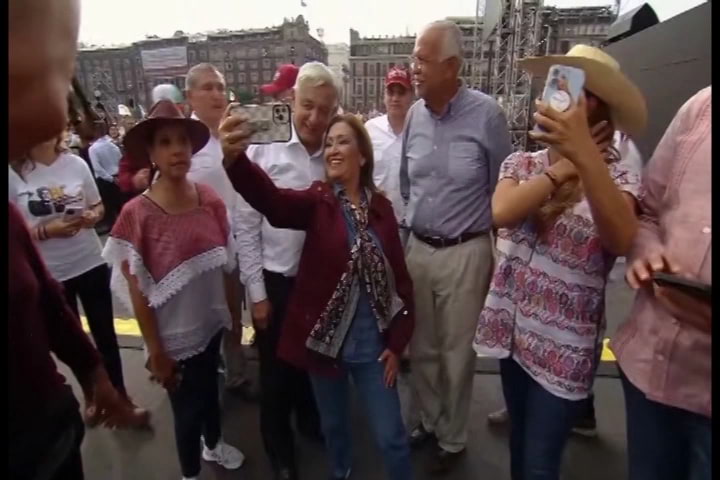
{"x":286,"y":473}
{"x":445,"y":461}
{"x":586,"y":427}
{"x":420,"y":437}
{"x":246,"y":391}
{"x":345,"y":477}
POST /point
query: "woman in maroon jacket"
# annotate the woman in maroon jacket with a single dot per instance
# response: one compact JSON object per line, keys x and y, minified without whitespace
{"x":351,"y":310}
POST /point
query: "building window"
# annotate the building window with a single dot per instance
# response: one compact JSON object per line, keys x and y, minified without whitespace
{"x":279,"y":51}
{"x":254,"y":77}
{"x":266,"y":63}
{"x":228,"y":66}
{"x":241,"y":78}
{"x":372,"y":70}
{"x":267,"y":75}
{"x":191,"y":56}
{"x":371,"y":87}
{"x":241,"y":52}
{"x":253,"y":53}
{"x":564,"y":46}
{"x":358,"y":88}
{"x":241,"y":66}
{"x":230,"y":77}
{"x":365,"y":69}
{"x":253,"y":65}
{"x":203,"y":55}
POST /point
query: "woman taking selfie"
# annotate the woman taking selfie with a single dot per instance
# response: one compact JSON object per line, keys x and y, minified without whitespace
{"x":57,"y":195}
{"x":564,"y":214}
{"x":351,"y":311}
{"x":168,"y":249}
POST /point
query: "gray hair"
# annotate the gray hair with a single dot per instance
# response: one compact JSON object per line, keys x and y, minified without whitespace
{"x":316,"y":74}
{"x":452,"y":38}
{"x":192,"y":76}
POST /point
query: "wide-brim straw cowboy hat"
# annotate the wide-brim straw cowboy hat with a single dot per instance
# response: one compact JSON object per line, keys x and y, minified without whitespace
{"x":137,"y":140}
{"x":603,"y":79}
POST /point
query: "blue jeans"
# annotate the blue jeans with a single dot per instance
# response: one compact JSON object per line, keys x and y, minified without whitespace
{"x":382,"y":406}
{"x":540,"y":424}
{"x":664,"y":442}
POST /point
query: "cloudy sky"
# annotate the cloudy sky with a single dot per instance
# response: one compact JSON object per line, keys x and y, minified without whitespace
{"x":107,"y":22}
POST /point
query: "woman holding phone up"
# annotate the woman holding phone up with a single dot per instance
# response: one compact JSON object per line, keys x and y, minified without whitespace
{"x":564,"y":214}
{"x":58,"y":197}
{"x":351,"y":310}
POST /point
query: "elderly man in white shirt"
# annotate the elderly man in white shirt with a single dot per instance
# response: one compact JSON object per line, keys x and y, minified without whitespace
{"x":206,"y":96}
{"x":385,"y":132}
{"x":269,"y":260}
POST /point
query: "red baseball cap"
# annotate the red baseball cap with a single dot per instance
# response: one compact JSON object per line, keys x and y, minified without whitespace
{"x":284,"y":80}
{"x":398,"y":76}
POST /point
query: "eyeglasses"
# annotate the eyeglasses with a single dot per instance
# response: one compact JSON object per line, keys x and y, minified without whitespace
{"x":417,"y":62}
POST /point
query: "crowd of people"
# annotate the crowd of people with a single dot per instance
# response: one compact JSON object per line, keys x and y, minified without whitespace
{"x":419,"y":233}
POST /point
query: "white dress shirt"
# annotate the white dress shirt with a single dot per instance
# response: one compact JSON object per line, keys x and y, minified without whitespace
{"x":105,"y":158}
{"x":387,"y":148}
{"x":260,"y":245}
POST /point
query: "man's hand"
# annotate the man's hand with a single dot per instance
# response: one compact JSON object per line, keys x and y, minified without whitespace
{"x":141,"y":179}
{"x":392,"y":366}
{"x":235,"y":131}
{"x":639,"y":274}
{"x":61,"y":228}
{"x":568,"y":132}
{"x":261,"y":313}
{"x":108,"y":407}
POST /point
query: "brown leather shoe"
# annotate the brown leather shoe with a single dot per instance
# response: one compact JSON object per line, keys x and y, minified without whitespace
{"x":444,"y":461}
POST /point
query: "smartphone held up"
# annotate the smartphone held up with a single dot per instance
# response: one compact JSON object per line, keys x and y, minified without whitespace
{"x":270,"y":123}
{"x":563,"y":87}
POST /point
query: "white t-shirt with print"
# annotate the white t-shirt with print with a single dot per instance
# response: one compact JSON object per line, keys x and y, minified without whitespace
{"x":43,"y":194}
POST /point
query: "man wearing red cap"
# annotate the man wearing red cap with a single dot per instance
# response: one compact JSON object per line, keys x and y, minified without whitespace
{"x":386,"y":134}
{"x":283,"y":82}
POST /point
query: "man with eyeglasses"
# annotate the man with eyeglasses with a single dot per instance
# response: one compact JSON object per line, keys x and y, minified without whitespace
{"x":454,"y":142}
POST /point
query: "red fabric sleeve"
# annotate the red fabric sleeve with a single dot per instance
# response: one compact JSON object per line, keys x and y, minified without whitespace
{"x":283,"y":207}
{"x":126,"y":172}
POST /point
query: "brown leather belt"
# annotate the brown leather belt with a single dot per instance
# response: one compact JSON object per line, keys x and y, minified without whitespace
{"x":441,"y":242}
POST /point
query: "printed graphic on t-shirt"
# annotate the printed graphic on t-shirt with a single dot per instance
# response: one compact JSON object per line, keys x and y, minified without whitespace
{"x":47,"y":200}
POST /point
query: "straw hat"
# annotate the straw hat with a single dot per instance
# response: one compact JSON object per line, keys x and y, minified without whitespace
{"x":137,"y":140}
{"x":604,"y":79}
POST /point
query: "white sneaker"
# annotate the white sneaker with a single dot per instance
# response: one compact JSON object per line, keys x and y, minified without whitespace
{"x":224,"y":455}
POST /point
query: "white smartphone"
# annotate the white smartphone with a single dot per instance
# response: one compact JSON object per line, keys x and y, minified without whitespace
{"x":562,"y":88}
{"x":73,"y":213}
{"x":271,"y":122}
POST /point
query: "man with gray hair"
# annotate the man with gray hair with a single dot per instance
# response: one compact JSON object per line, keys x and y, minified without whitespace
{"x":206,"y":96}
{"x":454,"y":142}
{"x":269,"y":260}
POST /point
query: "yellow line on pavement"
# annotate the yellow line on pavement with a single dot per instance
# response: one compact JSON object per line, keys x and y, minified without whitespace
{"x":129,"y":327}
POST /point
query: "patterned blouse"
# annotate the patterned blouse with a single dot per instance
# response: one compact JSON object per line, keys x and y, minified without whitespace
{"x":546,"y":303}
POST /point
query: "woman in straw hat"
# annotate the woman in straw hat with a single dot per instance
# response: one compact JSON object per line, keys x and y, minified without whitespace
{"x":169,"y":248}
{"x":564,"y":214}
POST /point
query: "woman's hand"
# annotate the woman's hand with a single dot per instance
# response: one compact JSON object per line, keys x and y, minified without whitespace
{"x":90,"y":218}
{"x":568,"y":132}
{"x":108,"y":407}
{"x":61,"y":228}
{"x":235,"y":131}
{"x":141,"y":180}
{"x":392,"y":366}
{"x":164,"y":370}
{"x":564,"y":170}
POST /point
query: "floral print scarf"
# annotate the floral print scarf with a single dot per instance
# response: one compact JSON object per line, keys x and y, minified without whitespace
{"x":368,"y":268}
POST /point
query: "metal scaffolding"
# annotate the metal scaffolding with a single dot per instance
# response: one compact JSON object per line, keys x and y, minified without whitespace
{"x":518,"y":35}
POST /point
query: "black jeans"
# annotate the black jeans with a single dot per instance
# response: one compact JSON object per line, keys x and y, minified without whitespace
{"x":196,"y":406}
{"x":93,"y":288}
{"x":284,"y":388}
{"x":664,"y":442}
{"x":540,"y":424}
{"x":112,"y":198}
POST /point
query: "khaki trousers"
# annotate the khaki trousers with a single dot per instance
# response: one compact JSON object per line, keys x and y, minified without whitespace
{"x":450,"y":288}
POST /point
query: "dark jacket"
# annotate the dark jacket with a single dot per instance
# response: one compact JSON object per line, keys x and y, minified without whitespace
{"x":324,"y":258}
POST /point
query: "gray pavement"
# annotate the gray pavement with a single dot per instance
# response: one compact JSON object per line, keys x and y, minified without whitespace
{"x":141,"y":456}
